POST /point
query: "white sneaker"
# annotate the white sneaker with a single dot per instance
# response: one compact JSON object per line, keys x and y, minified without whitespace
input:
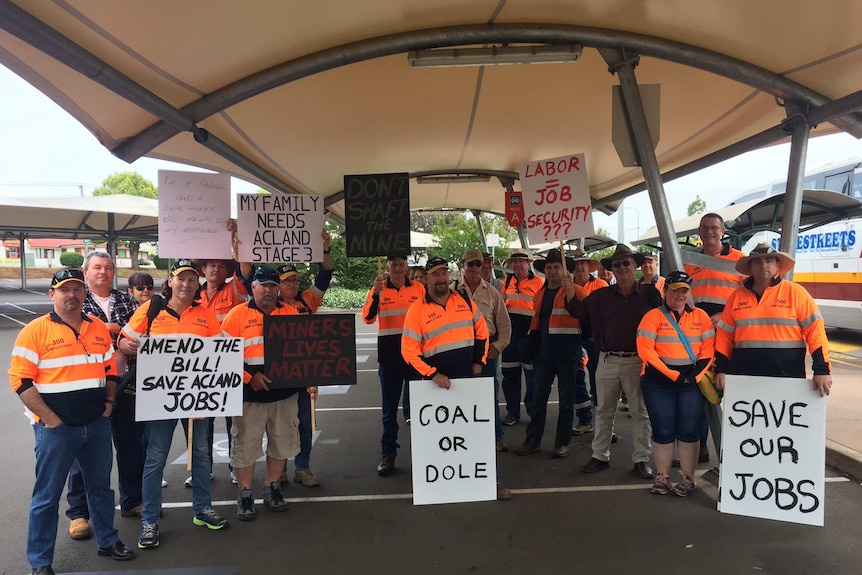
{"x":188,"y":482}
{"x":233,"y":477}
{"x":164,"y":482}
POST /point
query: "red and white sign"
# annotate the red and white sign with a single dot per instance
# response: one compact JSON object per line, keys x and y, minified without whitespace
{"x":514,"y":209}
{"x":556,"y":199}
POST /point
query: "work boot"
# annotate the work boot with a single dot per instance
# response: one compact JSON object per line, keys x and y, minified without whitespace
{"x":79,"y":529}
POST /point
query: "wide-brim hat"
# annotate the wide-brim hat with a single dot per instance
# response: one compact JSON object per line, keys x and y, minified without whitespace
{"x":622,"y":252}
{"x":201,"y":263}
{"x":554,"y":256}
{"x":760,"y":251}
{"x":581,"y":256}
{"x":472,"y":256}
{"x":518,"y":254}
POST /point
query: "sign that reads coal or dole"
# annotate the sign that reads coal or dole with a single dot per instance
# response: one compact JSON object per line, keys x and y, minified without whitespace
{"x":280,"y":228}
{"x":377,"y":214}
{"x":556,"y":198}
{"x":773,"y":449}
{"x":304,"y":350}
{"x":452,"y":441}
{"x":188,"y":376}
{"x":194,"y":209}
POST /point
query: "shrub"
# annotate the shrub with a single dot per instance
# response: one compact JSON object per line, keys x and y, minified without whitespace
{"x":71,"y":259}
{"x":343,"y":298}
{"x":160,"y":263}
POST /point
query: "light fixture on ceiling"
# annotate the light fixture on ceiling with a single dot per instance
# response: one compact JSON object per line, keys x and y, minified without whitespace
{"x":453,"y":179}
{"x":495,"y":55}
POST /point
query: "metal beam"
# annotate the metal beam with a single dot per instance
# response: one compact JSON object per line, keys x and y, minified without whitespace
{"x":22,"y":257}
{"x":478,"y":215}
{"x":795,"y":174}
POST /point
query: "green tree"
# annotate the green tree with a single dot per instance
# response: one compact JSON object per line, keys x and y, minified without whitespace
{"x":698,"y":206}
{"x":131,"y":184}
{"x":351,"y":273}
{"x":458,"y":232}
{"x":71,"y":259}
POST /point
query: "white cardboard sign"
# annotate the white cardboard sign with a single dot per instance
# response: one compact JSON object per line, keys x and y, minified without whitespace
{"x":280,"y":228}
{"x":773,"y":449}
{"x":556,"y":199}
{"x":189,"y":376}
{"x":194,"y":209}
{"x":452,"y":441}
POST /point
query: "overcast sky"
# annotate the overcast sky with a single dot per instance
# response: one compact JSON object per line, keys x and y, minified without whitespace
{"x":47,"y":153}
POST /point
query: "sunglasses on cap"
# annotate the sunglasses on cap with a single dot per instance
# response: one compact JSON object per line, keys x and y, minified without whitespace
{"x":144,"y":287}
{"x":624,"y":263}
{"x":66,"y":275}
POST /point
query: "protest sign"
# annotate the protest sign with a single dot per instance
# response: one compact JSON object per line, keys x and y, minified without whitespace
{"x":188,"y":376}
{"x":304,"y":350}
{"x":377,"y":214}
{"x":773,"y":449}
{"x":452,"y":441}
{"x":556,"y":199}
{"x":279,"y":228}
{"x":194,"y":209}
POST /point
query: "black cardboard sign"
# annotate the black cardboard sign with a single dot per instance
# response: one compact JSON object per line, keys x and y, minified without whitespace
{"x":377,"y":214}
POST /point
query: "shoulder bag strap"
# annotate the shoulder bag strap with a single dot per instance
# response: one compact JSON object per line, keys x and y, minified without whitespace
{"x":679,"y":332}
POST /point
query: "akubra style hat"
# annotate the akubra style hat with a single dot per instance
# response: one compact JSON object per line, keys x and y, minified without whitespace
{"x":518,"y":254}
{"x":581,"y":256}
{"x":554,"y":256}
{"x":760,"y":251}
{"x":622,"y":252}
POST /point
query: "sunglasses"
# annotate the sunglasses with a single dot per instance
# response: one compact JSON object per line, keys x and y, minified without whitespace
{"x":474,"y":264}
{"x":624,"y":263}
{"x":147,"y":287}
{"x":64,"y":275}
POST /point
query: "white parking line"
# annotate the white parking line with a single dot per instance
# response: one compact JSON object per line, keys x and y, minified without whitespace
{"x":15,"y":320}
{"x":30,"y":311}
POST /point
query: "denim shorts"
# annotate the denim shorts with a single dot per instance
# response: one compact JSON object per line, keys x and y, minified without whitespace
{"x":675,"y":411}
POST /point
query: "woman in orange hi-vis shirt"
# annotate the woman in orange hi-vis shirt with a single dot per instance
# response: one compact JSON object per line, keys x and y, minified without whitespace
{"x":676,"y":344}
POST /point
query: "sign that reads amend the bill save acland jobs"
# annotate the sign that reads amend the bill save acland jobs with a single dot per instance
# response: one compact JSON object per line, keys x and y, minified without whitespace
{"x":377,"y":214}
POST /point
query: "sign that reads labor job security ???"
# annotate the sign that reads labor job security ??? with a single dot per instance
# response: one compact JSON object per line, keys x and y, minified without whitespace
{"x":452,"y":441}
{"x":188,"y":376}
{"x":556,"y":198}
{"x":280,"y":228}
{"x":773,"y":449}
{"x":194,"y":209}
{"x":377,"y":214}
{"x":304,"y":350}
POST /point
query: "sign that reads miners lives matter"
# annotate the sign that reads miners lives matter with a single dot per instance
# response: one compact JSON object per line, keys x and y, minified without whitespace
{"x":556,"y":198}
{"x":280,"y":228}
{"x":188,"y":377}
{"x":773,"y":449}
{"x":304,"y":350}
{"x":452,"y":441}
{"x":377,"y":214}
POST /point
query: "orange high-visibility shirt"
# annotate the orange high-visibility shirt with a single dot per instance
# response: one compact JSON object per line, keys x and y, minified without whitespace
{"x":660,"y":346}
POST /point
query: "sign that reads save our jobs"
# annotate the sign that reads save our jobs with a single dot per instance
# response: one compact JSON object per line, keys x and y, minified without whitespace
{"x":556,"y":199}
{"x":452,"y":441}
{"x":305,"y":350}
{"x":377,"y":214}
{"x":194,"y":209}
{"x":773,"y":449}
{"x":280,"y":228}
{"x":188,"y":376}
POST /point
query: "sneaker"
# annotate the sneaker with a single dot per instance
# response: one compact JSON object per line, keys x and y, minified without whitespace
{"x":79,"y":529}
{"x":684,"y":487}
{"x":501,"y":446}
{"x":245,"y":506}
{"x":582,"y":429}
{"x":661,"y":485}
{"x":188,"y":482}
{"x":510,"y":420}
{"x":211,"y":519}
{"x":527,"y":448}
{"x":560,"y":452}
{"x":233,"y":477}
{"x":273,"y":498}
{"x":503,"y":494}
{"x":44,"y":570}
{"x":306,"y":477}
{"x":149,"y":538}
{"x":164,"y":482}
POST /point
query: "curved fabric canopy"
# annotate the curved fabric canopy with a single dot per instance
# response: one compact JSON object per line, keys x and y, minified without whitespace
{"x":293,"y":95}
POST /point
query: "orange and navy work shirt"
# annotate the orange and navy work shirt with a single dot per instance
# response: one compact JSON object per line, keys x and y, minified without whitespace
{"x":195,"y":320}
{"x":519,"y":296}
{"x":445,"y":339}
{"x":388,"y":309}
{"x":593,"y":283}
{"x":660,"y":348}
{"x":769,"y":335}
{"x":226,"y":297}
{"x":710,"y":288}
{"x":70,"y":370}
{"x":246,"y":321}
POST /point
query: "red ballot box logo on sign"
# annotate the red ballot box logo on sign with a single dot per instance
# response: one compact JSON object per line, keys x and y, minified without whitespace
{"x":556,"y":199}
{"x":514,"y":209}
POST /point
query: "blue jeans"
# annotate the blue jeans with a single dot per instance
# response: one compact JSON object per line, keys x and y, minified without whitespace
{"x":160,"y":434}
{"x":564,"y":369}
{"x":303,"y":458}
{"x":392,"y":379}
{"x":56,"y":449}
{"x":674,"y":410}
{"x":490,"y":370}
{"x":592,"y":366}
{"x":512,"y":366}
{"x":405,"y":401}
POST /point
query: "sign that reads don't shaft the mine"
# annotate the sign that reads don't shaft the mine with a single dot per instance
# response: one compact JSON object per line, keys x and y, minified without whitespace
{"x":377,"y":214}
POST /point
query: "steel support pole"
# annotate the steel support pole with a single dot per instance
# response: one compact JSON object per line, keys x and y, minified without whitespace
{"x":23,"y":259}
{"x":478,"y":215}
{"x":112,"y":244}
{"x":795,"y":173}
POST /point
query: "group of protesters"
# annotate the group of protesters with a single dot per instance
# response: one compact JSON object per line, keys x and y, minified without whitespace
{"x":593,"y":326}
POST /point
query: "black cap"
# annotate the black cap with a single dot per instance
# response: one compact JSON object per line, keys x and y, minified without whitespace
{"x":677,"y":280}
{"x":67,"y":275}
{"x":183,"y":264}
{"x":286,"y":270}
{"x":434,"y":264}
